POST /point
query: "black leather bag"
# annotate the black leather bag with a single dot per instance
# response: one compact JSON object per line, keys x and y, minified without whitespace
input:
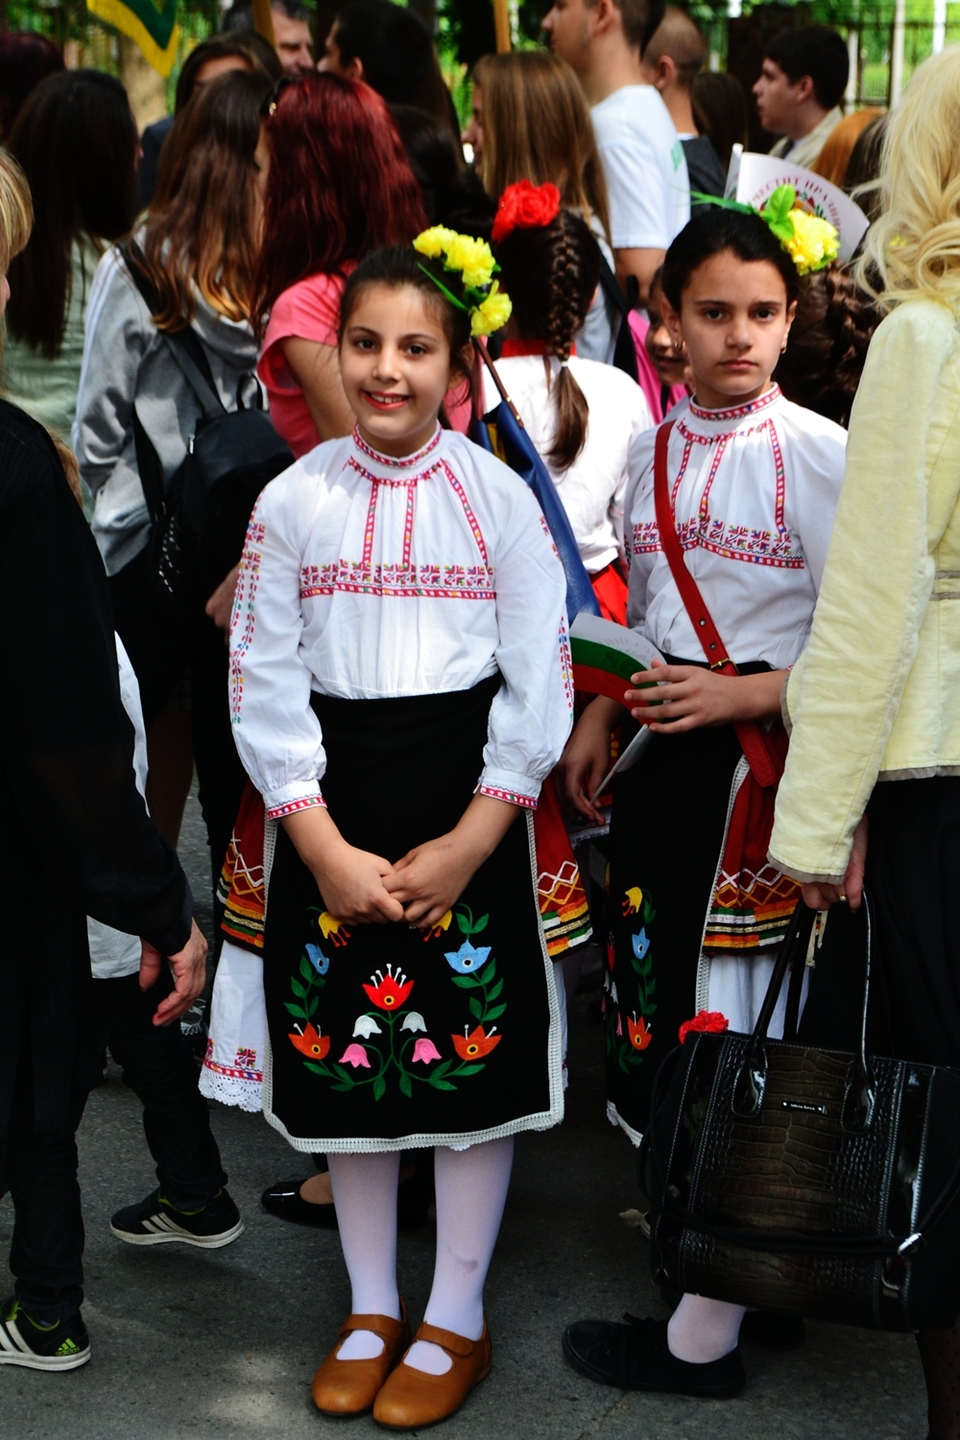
{"x":806,"y":1180}
{"x":199,"y":518}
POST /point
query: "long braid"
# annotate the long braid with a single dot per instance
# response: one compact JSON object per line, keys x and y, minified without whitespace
{"x":562,"y":322}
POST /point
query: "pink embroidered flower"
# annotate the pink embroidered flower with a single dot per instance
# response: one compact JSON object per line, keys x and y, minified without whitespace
{"x":356,"y":1056}
{"x":425,"y":1050}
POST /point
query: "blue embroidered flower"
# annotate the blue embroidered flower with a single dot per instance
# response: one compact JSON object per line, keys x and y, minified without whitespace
{"x":317,"y":959}
{"x":640,"y":944}
{"x":468,"y":958}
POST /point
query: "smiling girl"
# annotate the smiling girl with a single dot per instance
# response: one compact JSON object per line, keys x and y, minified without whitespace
{"x":750,"y":484}
{"x":401,"y":689}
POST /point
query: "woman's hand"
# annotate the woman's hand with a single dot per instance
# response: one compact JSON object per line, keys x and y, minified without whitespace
{"x":431,"y":877}
{"x":586,"y":758}
{"x":822,"y":895}
{"x":220,"y":605}
{"x":351,"y":881}
{"x":688,"y":697}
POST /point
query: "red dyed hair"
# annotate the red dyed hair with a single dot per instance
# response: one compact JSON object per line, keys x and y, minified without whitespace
{"x":339,"y":184}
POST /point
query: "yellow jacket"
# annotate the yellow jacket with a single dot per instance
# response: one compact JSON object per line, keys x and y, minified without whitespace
{"x":876,"y":693}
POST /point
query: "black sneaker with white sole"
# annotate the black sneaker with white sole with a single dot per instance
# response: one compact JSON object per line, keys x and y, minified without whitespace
{"x":63,"y":1345}
{"x":156,"y":1222}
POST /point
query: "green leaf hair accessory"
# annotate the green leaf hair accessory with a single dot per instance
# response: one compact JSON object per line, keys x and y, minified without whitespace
{"x":811,"y":242}
{"x":472,"y":260}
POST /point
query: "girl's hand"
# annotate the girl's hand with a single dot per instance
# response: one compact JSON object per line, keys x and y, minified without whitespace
{"x":688,"y":696}
{"x":431,"y":877}
{"x":351,"y":881}
{"x":586,"y":758}
{"x":821,"y":896}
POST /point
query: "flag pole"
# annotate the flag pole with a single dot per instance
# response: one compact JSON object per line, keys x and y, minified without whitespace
{"x":501,"y":21}
{"x":263,"y":20}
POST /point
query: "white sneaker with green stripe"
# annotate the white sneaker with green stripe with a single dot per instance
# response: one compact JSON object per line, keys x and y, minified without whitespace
{"x":62,"y":1345}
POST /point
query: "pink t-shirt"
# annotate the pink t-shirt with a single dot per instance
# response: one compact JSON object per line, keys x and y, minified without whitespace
{"x":309,"y":310}
{"x":647,"y":377}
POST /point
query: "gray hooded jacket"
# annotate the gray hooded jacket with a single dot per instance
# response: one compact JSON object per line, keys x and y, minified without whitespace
{"x":127,"y":364}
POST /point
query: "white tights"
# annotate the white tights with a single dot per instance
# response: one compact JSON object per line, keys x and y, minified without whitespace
{"x":701,"y":1330}
{"x":471,"y":1191}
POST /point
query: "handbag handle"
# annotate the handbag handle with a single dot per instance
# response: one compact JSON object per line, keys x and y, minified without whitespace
{"x":860,"y":1094}
{"x":764,"y":762}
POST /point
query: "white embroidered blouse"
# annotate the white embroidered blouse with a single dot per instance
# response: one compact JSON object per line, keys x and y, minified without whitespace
{"x":754,"y":489}
{"x":365,"y":576}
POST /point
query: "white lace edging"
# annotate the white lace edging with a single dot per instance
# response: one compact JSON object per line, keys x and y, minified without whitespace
{"x":374,"y":1145}
{"x":245,"y":1094}
{"x":615,"y":1118}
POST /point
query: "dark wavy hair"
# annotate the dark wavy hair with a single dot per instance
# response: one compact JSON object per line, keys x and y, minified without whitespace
{"x":202,"y":230}
{"x":76,"y":142}
{"x":828,"y":344}
{"x":550,"y":273}
{"x":718,"y":230}
{"x":339,"y":185}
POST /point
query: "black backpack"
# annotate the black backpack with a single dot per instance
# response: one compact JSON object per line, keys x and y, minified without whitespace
{"x":199,"y":518}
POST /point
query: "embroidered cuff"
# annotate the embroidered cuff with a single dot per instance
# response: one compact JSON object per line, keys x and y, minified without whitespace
{"x":516,"y":789}
{"x":277,"y":812}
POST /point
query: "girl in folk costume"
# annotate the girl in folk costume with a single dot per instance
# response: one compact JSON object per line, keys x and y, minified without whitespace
{"x":581,"y":415}
{"x":728,"y":517}
{"x":401,"y":688}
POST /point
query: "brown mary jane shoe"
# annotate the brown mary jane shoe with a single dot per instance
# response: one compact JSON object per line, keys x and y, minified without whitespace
{"x":349,"y":1387}
{"x":411,"y":1399}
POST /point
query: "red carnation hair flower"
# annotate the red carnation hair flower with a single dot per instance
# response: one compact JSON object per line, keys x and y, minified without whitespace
{"x":525,"y":207}
{"x":710,"y":1022}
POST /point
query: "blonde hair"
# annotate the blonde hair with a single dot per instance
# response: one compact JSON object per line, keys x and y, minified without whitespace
{"x":913,"y":249}
{"x":16,"y":210}
{"x":536,"y":127}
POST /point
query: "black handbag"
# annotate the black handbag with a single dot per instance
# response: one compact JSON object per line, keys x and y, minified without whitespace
{"x":199,"y":518}
{"x":814,"y":1181}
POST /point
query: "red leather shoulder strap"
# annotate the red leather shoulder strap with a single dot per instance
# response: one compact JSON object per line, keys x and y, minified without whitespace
{"x":762,"y":758}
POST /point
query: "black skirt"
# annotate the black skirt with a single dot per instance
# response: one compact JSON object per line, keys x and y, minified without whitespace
{"x":381,"y":1038}
{"x":667,"y":826}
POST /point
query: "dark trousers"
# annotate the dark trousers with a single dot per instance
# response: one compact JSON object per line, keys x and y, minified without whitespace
{"x":40,"y":1171}
{"x":160,"y":1070}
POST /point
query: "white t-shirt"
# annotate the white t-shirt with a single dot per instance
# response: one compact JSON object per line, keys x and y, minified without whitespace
{"x":592,"y":487}
{"x":645,"y":168}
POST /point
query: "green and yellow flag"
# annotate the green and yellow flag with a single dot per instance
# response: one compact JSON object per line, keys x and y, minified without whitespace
{"x":151,"y":23}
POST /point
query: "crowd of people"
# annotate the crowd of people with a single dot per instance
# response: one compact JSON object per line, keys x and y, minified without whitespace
{"x":294,"y":311}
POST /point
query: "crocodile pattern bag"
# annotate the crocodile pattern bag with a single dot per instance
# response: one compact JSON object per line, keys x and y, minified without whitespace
{"x":813,"y":1181}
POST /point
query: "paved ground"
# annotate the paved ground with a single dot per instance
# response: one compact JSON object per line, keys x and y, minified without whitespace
{"x":222,"y":1346}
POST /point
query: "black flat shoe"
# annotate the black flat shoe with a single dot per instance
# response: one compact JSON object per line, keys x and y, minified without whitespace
{"x":285,"y":1201}
{"x":636,"y":1356}
{"x":413,"y":1203}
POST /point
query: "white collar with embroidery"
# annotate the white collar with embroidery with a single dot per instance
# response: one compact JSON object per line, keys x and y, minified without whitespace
{"x":737,"y":413}
{"x":393,"y":462}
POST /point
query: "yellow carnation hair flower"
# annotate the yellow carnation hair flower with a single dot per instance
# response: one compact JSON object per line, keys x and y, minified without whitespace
{"x":472,"y":261}
{"x":814,"y":243}
{"x":491,"y":314}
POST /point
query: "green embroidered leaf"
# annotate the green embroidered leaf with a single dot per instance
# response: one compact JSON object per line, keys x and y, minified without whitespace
{"x":492,"y":994}
{"x":480,"y":924}
{"x":646,"y":964}
{"x":317,"y":1069}
{"x":464,"y":919}
{"x":476,"y":1009}
{"x":306,"y":969}
{"x":442,"y":1069}
{"x":313,"y":1007}
{"x":345,"y":1075}
{"x":342,"y":1089}
{"x":406,"y":1085}
{"x":296,"y":1010}
{"x":441,"y":1084}
{"x":650,"y":1009}
{"x":466,"y":982}
{"x":379,"y":1088}
{"x":494,"y":1013}
{"x":298,"y":989}
{"x":468,"y":1070}
{"x":488,"y":974}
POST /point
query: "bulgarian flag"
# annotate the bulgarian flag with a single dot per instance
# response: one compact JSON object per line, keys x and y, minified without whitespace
{"x":151,"y":23}
{"x":605,"y":655}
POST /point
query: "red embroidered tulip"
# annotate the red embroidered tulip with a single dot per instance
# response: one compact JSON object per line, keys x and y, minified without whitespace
{"x":525,"y":207}
{"x":391,"y":991}
{"x":311,"y":1043}
{"x":640,"y":1036}
{"x":710,"y":1022}
{"x":476,"y":1044}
